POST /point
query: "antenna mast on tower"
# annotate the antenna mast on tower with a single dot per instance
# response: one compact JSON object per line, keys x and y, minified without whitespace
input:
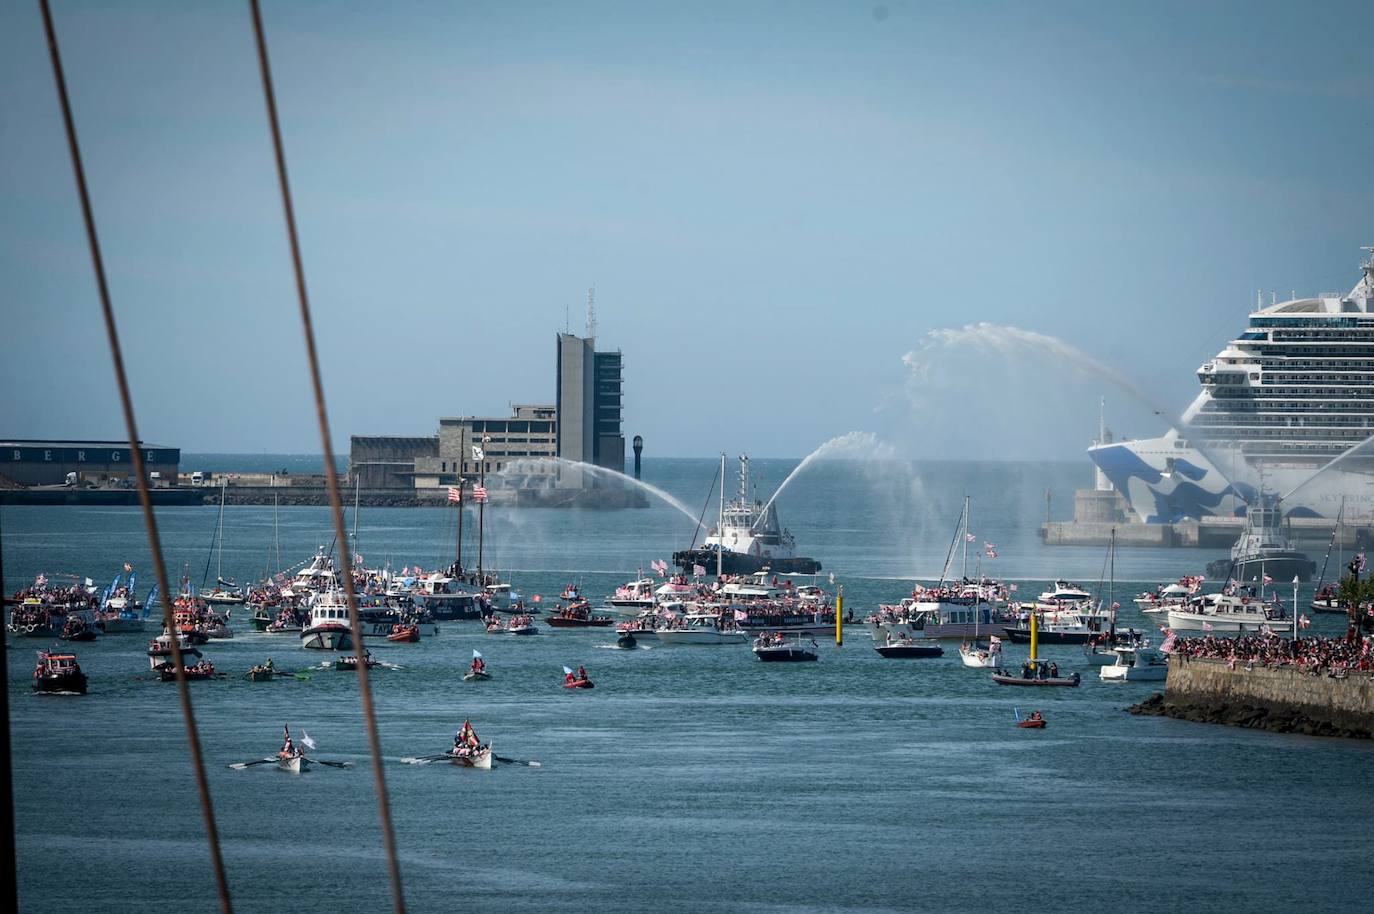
{"x":591,"y":312}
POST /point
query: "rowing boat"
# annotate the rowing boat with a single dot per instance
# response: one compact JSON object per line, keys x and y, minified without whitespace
{"x":479,"y":759}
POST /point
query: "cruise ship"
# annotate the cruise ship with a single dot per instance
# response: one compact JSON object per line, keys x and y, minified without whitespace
{"x":1283,"y":410}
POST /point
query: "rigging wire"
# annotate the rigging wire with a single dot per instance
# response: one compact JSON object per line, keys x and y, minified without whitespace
{"x":144,"y":495}
{"x":331,"y":471}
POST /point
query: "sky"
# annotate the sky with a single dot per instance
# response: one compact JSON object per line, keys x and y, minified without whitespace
{"x":777,"y":203}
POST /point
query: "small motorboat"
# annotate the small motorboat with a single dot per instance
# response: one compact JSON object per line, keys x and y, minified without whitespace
{"x":294,"y":763}
{"x":626,"y":640}
{"x":1036,"y":673}
{"x":76,"y":629}
{"x":777,"y":649}
{"x":404,"y":634}
{"x":471,"y":758}
{"x":58,"y":673}
{"x":904,"y":647}
{"x":578,"y":615}
{"x":202,"y":670}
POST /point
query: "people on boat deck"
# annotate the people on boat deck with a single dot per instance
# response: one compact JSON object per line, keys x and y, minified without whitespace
{"x":582,"y":673}
{"x":1054,"y":670}
{"x":1035,"y":715}
{"x":478,"y":666}
{"x":465,"y":741}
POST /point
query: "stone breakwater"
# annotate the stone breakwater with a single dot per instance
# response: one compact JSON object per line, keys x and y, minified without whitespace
{"x":1282,"y":699}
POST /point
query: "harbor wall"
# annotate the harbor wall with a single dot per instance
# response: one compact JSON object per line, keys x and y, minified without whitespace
{"x":1283,"y":699}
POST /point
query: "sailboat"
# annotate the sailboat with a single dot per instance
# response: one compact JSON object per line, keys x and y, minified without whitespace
{"x":224,"y":592}
{"x":987,"y":656}
{"x":1327,"y":596}
{"x":1100,"y":650}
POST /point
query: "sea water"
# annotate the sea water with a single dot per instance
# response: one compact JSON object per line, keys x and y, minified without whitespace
{"x":690,"y":778}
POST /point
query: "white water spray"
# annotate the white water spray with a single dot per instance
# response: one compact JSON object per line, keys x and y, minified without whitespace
{"x":849,"y":446}
{"x":533,"y":466}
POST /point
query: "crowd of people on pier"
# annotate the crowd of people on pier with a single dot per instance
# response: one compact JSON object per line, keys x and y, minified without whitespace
{"x":1329,"y":656}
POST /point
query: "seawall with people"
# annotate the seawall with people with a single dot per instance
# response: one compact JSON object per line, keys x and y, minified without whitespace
{"x":1285,"y":699}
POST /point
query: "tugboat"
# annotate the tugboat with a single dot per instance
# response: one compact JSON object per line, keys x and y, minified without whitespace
{"x":774,"y":648}
{"x":747,"y":538}
{"x":58,"y":673}
{"x":1263,"y":549}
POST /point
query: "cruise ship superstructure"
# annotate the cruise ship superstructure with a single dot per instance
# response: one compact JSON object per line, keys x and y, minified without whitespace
{"x":1284,"y":409}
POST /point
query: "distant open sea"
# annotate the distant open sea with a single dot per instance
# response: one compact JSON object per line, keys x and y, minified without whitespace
{"x":690,"y":779}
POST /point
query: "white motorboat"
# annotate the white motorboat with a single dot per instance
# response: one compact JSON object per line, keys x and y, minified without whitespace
{"x":1136,"y":664}
{"x":988,"y":656}
{"x":329,"y":628}
{"x":1227,"y":614}
{"x":636,"y":594}
{"x":703,"y":628}
{"x":1064,"y":592}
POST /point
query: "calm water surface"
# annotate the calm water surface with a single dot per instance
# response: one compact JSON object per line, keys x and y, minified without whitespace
{"x":690,"y":778}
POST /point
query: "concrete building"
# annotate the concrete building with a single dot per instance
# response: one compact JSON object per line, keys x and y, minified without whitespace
{"x":385,"y":462}
{"x":589,"y":403}
{"x":47,"y":463}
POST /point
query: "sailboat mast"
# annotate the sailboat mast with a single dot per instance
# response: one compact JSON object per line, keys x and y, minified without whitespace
{"x":481,"y":508}
{"x":720,"y":521}
{"x":1111,"y":581}
{"x":459,"y":506}
{"x":219,"y":559}
{"x":964,"y":571}
{"x":276,"y":534}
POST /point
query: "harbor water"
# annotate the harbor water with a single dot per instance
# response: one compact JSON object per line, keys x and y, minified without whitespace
{"x":690,"y":777}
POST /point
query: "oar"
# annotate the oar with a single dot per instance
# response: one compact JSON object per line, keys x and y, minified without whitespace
{"x":425,"y":759}
{"x":516,"y":761}
{"x":320,"y":761}
{"x":1017,"y":712}
{"x":239,"y":766}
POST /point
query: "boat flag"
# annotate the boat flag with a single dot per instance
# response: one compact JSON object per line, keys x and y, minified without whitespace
{"x":832,"y":577}
{"x":455,"y":495}
{"x":306,"y":741}
{"x":698,"y":569}
{"x":479,"y":493}
{"x":1168,"y":646}
{"x":1303,"y":621}
{"x":476,"y":654}
{"x":1268,"y":580}
{"x":970,"y":538}
{"x":567,"y":671}
{"x":1207,"y":626}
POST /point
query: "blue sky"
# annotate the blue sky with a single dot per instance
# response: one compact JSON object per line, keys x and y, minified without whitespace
{"x":775,"y":201}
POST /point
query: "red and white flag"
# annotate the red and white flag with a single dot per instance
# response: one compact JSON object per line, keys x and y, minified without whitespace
{"x":1268,"y":580}
{"x":698,"y":570}
{"x":537,"y":598}
{"x":479,"y":493}
{"x":970,"y":538}
{"x":1303,"y":622}
{"x":455,"y":495}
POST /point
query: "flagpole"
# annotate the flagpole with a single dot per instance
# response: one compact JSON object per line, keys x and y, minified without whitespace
{"x":481,"y":509}
{"x":460,"y":523}
{"x":1295,"y":611}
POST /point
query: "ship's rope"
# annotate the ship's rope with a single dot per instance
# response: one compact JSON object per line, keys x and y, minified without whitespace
{"x":331,"y":471}
{"x":144,"y":495}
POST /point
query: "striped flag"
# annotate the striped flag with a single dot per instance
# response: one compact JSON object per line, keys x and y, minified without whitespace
{"x":455,"y":495}
{"x":698,"y":569}
{"x":1268,"y":580}
{"x":479,"y":493}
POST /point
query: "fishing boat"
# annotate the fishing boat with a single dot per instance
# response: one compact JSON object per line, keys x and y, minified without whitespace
{"x":747,"y":537}
{"x":779,"y":649}
{"x":703,"y":628}
{"x":1035,"y":671}
{"x":404,"y":634}
{"x":577,"y":615}
{"x":329,"y":628}
{"x":902,"y":647}
{"x":350,"y":662}
{"x":1136,"y":664}
{"x":58,"y":673}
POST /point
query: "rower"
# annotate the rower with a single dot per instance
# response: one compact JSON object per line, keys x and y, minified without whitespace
{"x":478,"y":666}
{"x":582,"y":673}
